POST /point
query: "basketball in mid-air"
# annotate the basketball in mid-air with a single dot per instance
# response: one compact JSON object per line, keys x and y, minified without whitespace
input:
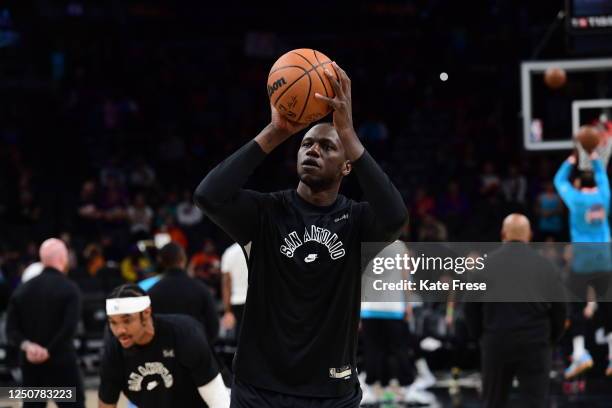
{"x":589,"y":137}
{"x":555,"y":78}
{"x":293,"y":81}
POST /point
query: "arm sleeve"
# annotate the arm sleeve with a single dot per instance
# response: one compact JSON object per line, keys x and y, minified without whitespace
{"x":194,"y":353}
{"x":110,"y":371}
{"x":14,"y":331}
{"x":72,"y":314}
{"x":221,"y":197}
{"x":215,"y":394}
{"x":564,"y":187}
{"x":385,"y":213}
{"x":601,"y":179}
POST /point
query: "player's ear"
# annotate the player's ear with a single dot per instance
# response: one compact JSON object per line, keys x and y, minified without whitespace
{"x":145,"y":314}
{"x":346,"y":168}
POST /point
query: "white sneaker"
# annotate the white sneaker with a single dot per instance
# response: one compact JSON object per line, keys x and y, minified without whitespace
{"x":367,"y":395}
{"x":423,"y":382}
{"x":412,"y":395}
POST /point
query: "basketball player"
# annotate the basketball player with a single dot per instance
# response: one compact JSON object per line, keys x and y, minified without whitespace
{"x":157,"y":361}
{"x":386,"y":337}
{"x":42,"y":320}
{"x":298,"y":340}
{"x":588,"y":202}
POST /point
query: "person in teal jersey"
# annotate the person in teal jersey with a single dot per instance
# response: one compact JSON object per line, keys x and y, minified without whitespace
{"x":588,"y":201}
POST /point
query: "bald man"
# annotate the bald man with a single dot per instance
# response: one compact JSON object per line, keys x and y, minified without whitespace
{"x":43,"y":314}
{"x":517,"y":337}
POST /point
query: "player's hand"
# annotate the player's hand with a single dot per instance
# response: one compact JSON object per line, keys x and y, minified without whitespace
{"x":228,"y":321}
{"x":589,"y":310}
{"x":283,"y":125}
{"x":571,"y":159}
{"x":594,"y":155}
{"x":342,"y":103}
{"x":35,"y":353}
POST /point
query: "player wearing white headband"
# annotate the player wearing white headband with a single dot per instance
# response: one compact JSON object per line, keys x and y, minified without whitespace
{"x":156,"y":361}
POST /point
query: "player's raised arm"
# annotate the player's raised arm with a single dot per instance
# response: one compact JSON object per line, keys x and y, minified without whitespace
{"x":388,"y":209}
{"x":601,"y":177}
{"x":562,"y":183}
{"x":221,"y":195}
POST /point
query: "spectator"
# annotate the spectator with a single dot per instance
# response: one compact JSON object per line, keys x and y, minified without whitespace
{"x":112,"y":173}
{"x":136,"y":266}
{"x":549,"y":210}
{"x":142,"y":175}
{"x":432,"y":230}
{"x":205,"y":265}
{"x":187,"y":213}
{"x":489,"y":180}
{"x":94,"y":259}
{"x":141,"y":217}
{"x":453,"y":208}
{"x":175,"y":232}
{"x":423,"y":203}
{"x":89,"y":212}
{"x":514,"y":188}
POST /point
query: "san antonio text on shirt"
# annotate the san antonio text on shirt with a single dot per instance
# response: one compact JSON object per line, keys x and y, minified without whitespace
{"x":318,"y":234}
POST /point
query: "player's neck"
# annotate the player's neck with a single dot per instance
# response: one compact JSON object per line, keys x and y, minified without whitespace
{"x":320,"y":198}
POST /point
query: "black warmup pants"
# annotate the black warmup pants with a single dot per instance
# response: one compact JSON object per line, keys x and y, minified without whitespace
{"x":503,"y":359}
{"x":247,"y":396}
{"x":601,"y":282}
{"x":59,"y":374}
{"x":386,"y":344}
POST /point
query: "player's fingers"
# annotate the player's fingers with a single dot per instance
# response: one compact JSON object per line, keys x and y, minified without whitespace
{"x":335,"y":83}
{"x":344,"y":78}
{"x":331,"y":102}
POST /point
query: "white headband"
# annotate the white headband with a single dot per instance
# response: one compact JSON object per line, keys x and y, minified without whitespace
{"x":127,"y":305}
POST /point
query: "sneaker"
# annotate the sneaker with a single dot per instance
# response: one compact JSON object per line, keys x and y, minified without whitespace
{"x":423,"y":382}
{"x":579,"y":365}
{"x":412,"y":395}
{"x":609,"y":369}
{"x":368,"y":396}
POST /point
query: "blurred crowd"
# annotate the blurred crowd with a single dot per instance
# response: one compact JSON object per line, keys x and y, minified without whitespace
{"x":107,"y":125}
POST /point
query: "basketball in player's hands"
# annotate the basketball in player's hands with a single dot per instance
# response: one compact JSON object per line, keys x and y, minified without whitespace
{"x":293,"y":81}
{"x":589,"y":137}
{"x":555,"y":78}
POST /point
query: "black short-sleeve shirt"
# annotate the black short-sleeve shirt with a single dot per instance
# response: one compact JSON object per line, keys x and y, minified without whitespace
{"x":164,"y":373}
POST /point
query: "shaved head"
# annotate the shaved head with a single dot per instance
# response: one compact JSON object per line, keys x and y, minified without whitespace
{"x":516,"y":227}
{"x":54,"y":254}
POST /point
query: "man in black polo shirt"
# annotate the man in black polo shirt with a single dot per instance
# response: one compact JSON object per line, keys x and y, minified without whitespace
{"x":42,"y":319}
{"x":298,"y":342}
{"x":177,"y":293}
{"x":517,"y":337}
{"x":157,"y":361}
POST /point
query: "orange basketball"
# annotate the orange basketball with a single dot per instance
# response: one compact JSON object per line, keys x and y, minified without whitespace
{"x":555,"y":78}
{"x":293,"y":81}
{"x":589,"y":137}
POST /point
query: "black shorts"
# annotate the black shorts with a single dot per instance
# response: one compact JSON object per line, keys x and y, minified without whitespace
{"x":247,"y":396}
